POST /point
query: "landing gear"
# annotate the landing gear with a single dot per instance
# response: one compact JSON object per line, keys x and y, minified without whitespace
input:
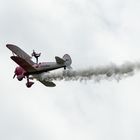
{"x":29,"y":83}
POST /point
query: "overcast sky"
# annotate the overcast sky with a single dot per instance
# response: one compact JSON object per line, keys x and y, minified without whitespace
{"x":94,"y":33}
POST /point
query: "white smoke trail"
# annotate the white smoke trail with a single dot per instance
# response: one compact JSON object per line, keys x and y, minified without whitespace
{"x":108,"y":72}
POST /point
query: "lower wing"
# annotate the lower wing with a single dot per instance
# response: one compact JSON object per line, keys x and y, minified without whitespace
{"x":30,"y":69}
{"x":47,"y":83}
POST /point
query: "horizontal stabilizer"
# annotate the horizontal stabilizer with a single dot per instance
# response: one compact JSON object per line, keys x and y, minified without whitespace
{"x":59,"y":60}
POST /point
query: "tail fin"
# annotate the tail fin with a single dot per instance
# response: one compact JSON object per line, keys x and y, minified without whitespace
{"x":67,"y":60}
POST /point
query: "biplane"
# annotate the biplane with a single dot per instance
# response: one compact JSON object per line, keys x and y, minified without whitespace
{"x":30,"y":70}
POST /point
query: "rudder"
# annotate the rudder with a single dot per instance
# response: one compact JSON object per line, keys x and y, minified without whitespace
{"x":67,"y":59}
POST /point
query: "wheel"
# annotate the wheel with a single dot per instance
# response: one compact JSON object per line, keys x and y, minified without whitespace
{"x":29,"y":84}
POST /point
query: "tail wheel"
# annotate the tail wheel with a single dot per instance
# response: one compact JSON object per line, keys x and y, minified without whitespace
{"x":29,"y":84}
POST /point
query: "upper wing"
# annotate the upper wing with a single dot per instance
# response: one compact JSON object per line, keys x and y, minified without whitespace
{"x":19,"y":52}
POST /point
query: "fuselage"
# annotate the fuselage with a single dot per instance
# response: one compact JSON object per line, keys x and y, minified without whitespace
{"x":41,"y":72}
{"x":45,"y":67}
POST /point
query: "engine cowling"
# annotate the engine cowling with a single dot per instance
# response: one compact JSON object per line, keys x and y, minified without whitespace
{"x":19,"y":72}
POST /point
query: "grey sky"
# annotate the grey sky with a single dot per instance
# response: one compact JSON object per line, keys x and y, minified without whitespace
{"x":94,"y":33}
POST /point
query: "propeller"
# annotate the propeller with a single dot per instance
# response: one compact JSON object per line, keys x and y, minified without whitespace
{"x":14,"y":76}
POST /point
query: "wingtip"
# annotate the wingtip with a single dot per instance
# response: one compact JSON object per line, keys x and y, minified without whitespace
{"x":9,"y":45}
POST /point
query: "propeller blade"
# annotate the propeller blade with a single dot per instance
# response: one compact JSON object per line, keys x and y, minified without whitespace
{"x":14,"y":76}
